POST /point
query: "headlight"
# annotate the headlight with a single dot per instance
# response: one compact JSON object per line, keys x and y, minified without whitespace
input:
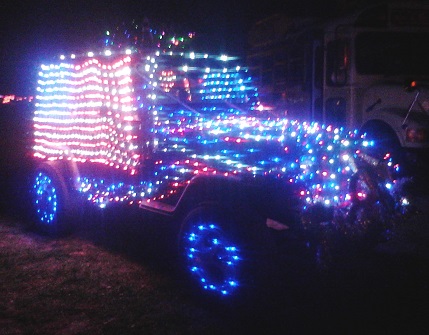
{"x":416,"y":135}
{"x":425,"y":105}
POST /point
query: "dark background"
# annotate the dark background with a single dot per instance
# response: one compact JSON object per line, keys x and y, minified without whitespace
{"x":35,"y":32}
{"x":32,"y":32}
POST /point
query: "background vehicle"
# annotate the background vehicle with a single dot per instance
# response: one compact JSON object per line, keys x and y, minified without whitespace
{"x":175,"y":134}
{"x":352,"y":70}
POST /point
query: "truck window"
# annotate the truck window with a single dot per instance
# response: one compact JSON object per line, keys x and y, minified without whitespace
{"x":337,"y":62}
{"x":392,"y":53}
{"x":318,"y":67}
{"x":336,"y":111}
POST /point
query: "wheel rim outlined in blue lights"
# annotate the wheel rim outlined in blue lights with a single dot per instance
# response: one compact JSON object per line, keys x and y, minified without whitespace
{"x":212,"y":259}
{"x":46,"y":199}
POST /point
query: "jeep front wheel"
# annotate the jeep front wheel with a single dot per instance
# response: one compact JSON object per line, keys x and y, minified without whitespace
{"x":210,"y":253}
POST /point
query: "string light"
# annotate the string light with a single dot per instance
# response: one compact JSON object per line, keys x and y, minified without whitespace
{"x":148,"y":122}
{"x":120,"y":109}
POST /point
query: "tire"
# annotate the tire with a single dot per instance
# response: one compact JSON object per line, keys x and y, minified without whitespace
{"x":373,"y":215}
{"x":50,"y":201}
{"x":385,"y":141}
{"x":211,"y":255}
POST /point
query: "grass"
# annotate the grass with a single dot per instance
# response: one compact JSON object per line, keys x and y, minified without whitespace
{"x":101,"y":281}
{"x":71,"y":286}
{"x":113,"y":276}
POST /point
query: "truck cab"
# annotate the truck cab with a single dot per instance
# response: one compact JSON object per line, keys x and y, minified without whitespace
{"x":364,"y":70}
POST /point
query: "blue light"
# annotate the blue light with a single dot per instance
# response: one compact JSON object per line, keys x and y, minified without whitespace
{"x":215,"y":266}
{"x":45,"y":198}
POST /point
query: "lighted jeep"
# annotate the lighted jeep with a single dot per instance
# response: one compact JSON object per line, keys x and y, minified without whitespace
{"x":178,"y":134}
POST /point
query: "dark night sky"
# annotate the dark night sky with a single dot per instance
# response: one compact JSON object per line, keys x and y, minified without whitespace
{"x":32,"y":31}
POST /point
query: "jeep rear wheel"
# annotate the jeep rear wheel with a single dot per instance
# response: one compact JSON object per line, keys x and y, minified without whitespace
{"x":51,"y":202}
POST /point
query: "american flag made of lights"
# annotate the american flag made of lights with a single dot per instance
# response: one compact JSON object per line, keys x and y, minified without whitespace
{"x":85,"y":112}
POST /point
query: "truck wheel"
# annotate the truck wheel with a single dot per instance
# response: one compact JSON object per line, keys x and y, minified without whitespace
{"x":374,"y":213}
{"x":210,"y":254}
{"x":50,"y":199}
{"x":386,"y":141}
